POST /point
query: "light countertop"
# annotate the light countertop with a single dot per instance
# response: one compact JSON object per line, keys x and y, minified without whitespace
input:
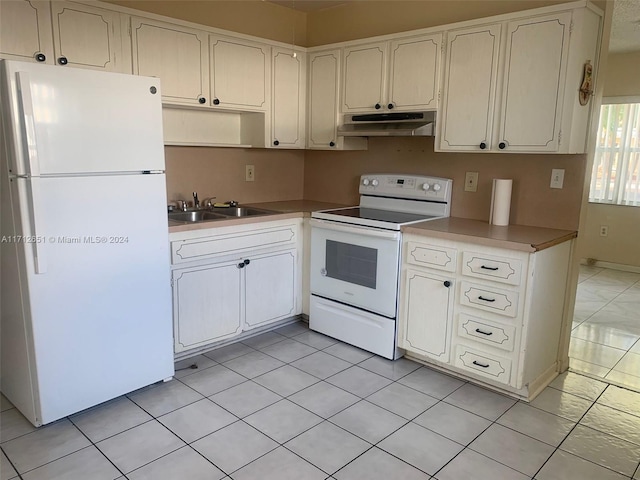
{"x":284,"y":209}
{"x":513,"y":237}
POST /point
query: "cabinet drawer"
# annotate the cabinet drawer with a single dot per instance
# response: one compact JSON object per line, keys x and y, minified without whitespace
{"x":234,"y":243}
{"x":502,"y":302}
{"x":480,"y":265}
{"x":487,"y":365}
{"x":487,"y":332}
{"x":431,"y":256}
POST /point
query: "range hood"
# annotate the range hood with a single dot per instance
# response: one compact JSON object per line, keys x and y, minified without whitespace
{"x":389,"y":125}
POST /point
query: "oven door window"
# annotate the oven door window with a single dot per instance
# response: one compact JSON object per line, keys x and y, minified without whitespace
{"x":352,"y":263}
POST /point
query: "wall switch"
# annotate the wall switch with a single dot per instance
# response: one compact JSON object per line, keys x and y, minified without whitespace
{"x":604,"y":230}
{"x":557,"y":178}
{"x":471,"y":182}
{"x":250,"y":173}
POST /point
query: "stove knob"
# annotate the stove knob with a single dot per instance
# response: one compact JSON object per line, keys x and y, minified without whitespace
{"x":425,"y":186}
{"x":374,"y":182}
{"x":436,"y":187}
{"x":365,"y":181}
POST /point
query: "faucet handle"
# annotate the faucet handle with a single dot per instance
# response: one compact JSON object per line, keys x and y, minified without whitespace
{"x":232,"y":203}
{"x":208,"y":202}
{"x":184,"y":206}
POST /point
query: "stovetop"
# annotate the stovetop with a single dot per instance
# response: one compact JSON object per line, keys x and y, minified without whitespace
{"x":390,"y":201}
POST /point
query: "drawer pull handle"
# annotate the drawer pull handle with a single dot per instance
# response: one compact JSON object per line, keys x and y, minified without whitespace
{"x":489,"y":268}
{"x":486,"y":299}
{"x":483,"y":332}
{"x":483,"y":365}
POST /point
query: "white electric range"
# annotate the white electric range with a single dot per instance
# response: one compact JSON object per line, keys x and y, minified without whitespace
{"x":355,"y":258}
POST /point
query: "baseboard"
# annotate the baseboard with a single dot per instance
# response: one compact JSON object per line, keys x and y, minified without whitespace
{"x":611,"y":265}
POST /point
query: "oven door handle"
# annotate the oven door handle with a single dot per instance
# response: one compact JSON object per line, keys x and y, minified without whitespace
{"x":339,"y":227}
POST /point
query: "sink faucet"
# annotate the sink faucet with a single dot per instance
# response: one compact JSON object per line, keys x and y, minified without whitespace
{"x":196,"y":202}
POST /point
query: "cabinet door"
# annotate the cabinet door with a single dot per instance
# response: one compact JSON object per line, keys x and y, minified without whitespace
{"x":206,"y":304}
{"x":427,"y":314}
{"x":271,"y":288}
{"x":324,"y":75}
{"x":469,"y":88}
{"x":364,"y":78}
{"x":239,"y":73}
{"x":533,"y":86}
{"x":176,"y":54}
{"x":87,"y":37}
{"x":415,"y":73}
{"x":25,"y":31}
{"x":288,"y":98}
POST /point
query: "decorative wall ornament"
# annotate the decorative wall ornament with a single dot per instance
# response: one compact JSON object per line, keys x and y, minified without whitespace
{"x":586,"y":87}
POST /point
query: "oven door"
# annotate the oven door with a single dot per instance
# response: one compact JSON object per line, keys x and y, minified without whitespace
{"x":355,"y":265}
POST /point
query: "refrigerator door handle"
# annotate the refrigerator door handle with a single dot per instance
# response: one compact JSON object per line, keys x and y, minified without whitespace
{"x":38,"y":239}
{"x":31,"y":145}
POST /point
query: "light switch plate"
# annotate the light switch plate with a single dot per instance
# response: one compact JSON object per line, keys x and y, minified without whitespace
{"x":557,"y":178}
{"x":471,"y":182}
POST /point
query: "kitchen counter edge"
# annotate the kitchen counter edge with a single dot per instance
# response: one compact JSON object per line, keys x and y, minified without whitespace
{"x":514,"y":237}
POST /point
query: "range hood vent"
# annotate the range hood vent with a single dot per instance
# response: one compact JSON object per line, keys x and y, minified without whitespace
{"x":389,"y":125}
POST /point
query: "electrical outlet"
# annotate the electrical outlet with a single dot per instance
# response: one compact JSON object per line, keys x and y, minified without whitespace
{"x":604,"y":230}
{"x":471,"y":182}
{"x":250,"y":173}
{"x":557,"y":178}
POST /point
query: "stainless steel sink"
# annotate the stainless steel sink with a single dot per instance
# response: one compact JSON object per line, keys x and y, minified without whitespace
{"x":241,"y":211}
{"x":195,"y":216}
{"x":223,"y":213}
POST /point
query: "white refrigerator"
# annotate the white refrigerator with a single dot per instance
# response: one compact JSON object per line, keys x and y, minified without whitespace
{"x":85,"y":277}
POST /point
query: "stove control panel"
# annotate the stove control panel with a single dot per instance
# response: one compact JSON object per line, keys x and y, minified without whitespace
{"x":406,"y":186}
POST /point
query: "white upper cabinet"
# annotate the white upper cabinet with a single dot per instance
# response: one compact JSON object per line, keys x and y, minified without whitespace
{"x":364,"y":77}
{"x":324,"y":84}
{"x":87,"y":37}
{"x":469,"y":88}
{"x":178,"y":55}
{"x":288,"y":96}
{"x":414,"y":73}
{"x":533,"y":85}
{"x":395,"y":75}
{"x":524,"y":99}
{"x":25,"y":31}
{"x":240,"y":72}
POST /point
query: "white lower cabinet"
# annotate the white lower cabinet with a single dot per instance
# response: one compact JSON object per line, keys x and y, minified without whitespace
{"x":500,"y":319}
{"x":428,"y":309}
{"x":206,"y":304}
{"x":232,"y":279}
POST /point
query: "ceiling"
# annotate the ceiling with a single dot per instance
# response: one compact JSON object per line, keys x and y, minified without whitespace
{"x":625,"y":28}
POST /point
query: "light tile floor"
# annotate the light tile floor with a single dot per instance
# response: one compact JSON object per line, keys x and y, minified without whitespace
{"x":293,"y":404}
{"x":605,"y":338}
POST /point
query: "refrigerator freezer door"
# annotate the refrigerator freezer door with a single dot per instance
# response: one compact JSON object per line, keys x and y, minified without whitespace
{"x":75,"y":121}
{"x":101,"y":312}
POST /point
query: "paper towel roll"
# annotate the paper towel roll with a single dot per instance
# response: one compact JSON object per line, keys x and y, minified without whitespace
{"x":500,"y":202}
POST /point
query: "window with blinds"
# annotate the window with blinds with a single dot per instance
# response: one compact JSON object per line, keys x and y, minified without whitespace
{"x":616,"y":172}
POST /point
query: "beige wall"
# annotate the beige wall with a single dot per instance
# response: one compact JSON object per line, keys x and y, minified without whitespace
{"x":251,"y":17}
{"x":623,"y":75}
{"x":621,"y":244}
{"x":362,"y":19}
{"x":220,"y":172}
{"x":333,"y":176}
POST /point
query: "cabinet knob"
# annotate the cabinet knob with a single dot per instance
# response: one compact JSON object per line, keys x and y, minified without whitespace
{"x":63,"y":60}
{"x":247,"y":261}
{"x":390,"y":106}
{"x":378,"y":106}
{"x":40,"y":57}
{"x":483,"y":145}
{"x":332,"y":144}
{"x":241,"y":265}
{"x":447,"y":283}
{"x":216,"y":101}
{"x":202,"y":100}
{"x":502,"y":145}
{"x":276,"y":142}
